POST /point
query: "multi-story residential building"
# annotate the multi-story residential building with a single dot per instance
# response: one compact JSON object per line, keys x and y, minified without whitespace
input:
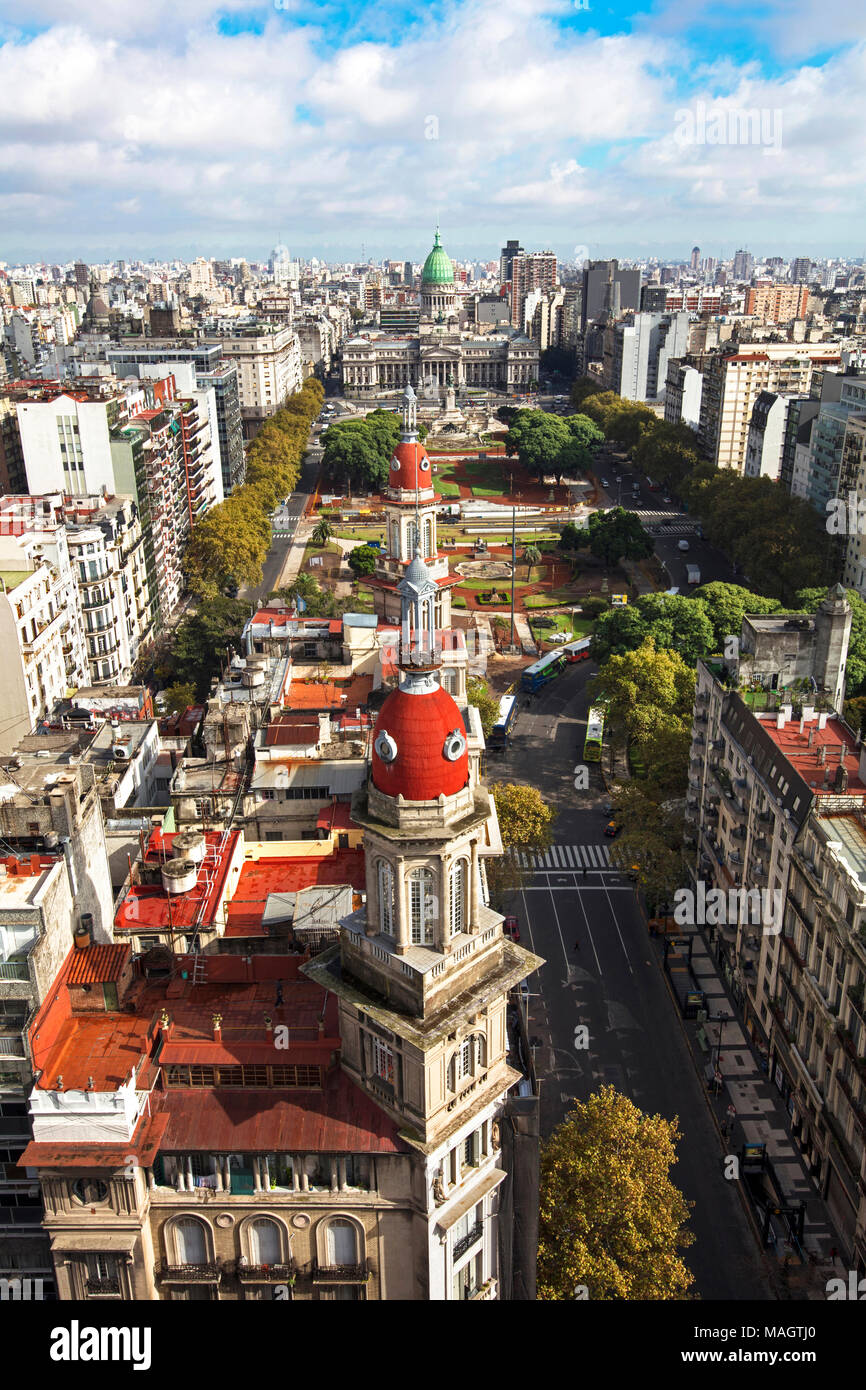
{"x":854,"y":469}
{"x":777,"y":303}
{"x":108,"y":601}
{"x":268,"y":359}
{"x":213,"y":373}
{"x":53,"y":881}
{"x":683,"y":388}
{"x":732,"y":381}
{"x":766,"y":437}
{"x":637,"y":351}
{"x":832,"y":472}
{"x":796,"y":446}
{"x":41,"y":627}
{"x":777,"y":792}
{"x":511,"y":249}
{"x":744,"y":265}
{"x":532,"y":270}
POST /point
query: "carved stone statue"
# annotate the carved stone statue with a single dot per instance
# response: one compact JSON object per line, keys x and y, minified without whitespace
{"x":496,"y":1135}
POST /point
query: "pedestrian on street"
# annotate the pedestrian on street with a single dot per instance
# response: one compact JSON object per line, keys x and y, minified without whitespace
{"x":577,"y":945}
{"x":279,"y":999}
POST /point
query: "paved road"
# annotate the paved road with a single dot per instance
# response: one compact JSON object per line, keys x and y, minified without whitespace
{"x":712,"y":563}
{"x":614,"y":987}
{"x":276,"y":557}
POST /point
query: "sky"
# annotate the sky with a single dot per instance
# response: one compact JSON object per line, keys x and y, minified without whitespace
{"x":142,"y":129}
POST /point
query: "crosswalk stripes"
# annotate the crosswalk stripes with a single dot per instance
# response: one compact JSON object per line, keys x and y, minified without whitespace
{"x":573,"y":857}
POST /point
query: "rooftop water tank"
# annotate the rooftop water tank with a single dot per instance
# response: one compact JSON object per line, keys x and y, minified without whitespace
{"x":179,"y":875}
{"x":189,"y":844}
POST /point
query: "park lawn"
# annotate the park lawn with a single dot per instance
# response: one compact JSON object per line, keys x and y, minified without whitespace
{"x":446,"y":486}
{"x":458,"y":601}
{"x":562,"y":623}
{"x":329,"y":548}
{"x":359,"y":533}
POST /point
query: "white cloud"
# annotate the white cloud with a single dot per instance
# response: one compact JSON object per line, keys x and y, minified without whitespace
{"x":541,"y":132}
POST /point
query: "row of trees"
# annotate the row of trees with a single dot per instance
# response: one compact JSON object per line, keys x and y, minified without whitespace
{"x":547,"y":443}
{"x":228,"y":546}
{"x":779,"y":540}
{"x":360,"y":450}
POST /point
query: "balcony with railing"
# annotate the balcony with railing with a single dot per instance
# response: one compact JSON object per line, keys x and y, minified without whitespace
{"x":340,"y":1274}
{"x":208,"y":1272}
{"x":466,"y":1242}
{"x":108,"y":1286}
{"x":265,"y":1274}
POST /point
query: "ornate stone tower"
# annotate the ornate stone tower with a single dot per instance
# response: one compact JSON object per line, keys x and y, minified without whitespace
{"x":411,"y":507}
{"x":423,"y":969}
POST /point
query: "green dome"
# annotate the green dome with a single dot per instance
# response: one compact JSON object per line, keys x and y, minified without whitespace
{"x":438,"y":269}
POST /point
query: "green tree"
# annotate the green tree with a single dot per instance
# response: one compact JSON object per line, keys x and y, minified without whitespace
{"x":525,"y":820}
{"x":583,"y":388}
{"x":618,"y":630}
{"x":362,"y":560}
{"x":201,"y":641}
{"x":616,"y":535}
{"x":726,"y":606}
{"x":571,"y":537}
{"x":178,"y":696}
{"x":610,"y":1218}
{"x":531,"y":556}
{"x":227,"y":548}
{"x":478,"y":694}
{"x":323,"y":531}
{"x":678,"y":623}
{"x":578,"y":451}
{"x":537,"y":439}
{"x":647,"y":690}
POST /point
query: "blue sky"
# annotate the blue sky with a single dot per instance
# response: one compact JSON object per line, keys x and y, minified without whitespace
{"x":190,"y":128}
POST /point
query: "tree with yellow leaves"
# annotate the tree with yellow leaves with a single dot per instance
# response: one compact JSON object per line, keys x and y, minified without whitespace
{"x":611,"y":1222}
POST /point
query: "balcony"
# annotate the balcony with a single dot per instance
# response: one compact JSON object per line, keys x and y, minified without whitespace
{"x":208,"y":1273}
{"x":107,"y":1287}
{"x":340,"y":1274}
{"x":265,"y":1274}
{"x":466,"y":1242}
{"x":12,"y":1045}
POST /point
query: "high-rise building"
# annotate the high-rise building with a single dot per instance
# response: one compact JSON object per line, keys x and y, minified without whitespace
{"x":637,"y":350}
{"x":695,"y":261}
{"x":533,"y":270}
{"x":777,"y":303}
{"x":744,"y":264}
{"x":801,"y":269}
{"x":268,"y":359}
{"x":506,"y":257}
{"x":609,"y":289}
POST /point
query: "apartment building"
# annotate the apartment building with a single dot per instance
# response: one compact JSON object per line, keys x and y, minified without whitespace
{"x":53,"y":881}
{"x":107,"y":603}
{"x":732,"y":382}
{"x":268,"y":361}
{"x":777,"y":303}
{"x":530,"y":270}
{"x":637,"y":351}
{"x":776,"y":809}
{"x":766,"y":438}
{"x":832,"y":472}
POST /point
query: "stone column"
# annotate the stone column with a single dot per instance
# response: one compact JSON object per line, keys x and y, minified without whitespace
{"x":401,"y":911}
{"x":474,"y":891}
{"x":257,"y":1175}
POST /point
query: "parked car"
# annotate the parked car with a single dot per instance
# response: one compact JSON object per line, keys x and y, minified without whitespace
{"x":510,"y":928}
{"x":683,"y":545}
{"x":612,"y":829}
{"x":605,"y":483}
{"x":667,"y":501}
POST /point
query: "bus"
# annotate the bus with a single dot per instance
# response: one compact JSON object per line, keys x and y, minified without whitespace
{"x":540,"y":672}
{"x":577,"y":651}
{"x":594,"y":735}
{"x":501,"y":730}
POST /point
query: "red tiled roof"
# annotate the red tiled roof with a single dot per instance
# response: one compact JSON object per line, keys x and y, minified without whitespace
{"x":339,"y":1119}
{"x":328,"y":695}
{"x":337,"y":816}
{"x":97,"y":964}
{"x":803,"y":750}
{"x":144,"y":1145}
{"x":149,"y":906}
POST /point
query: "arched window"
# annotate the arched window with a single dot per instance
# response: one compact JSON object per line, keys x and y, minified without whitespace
{"x":190,"y":1241}
{"x":457,"y":897}
{"x":342,"y":1242}
{"x":265,"y":1241}
{"x":469,"y":1059}
{"x":395,"y":540}
{"x":422,"y":906}
{"x":386,"y":898}
{"x":428,"y":537}
{"x":414,"y":538}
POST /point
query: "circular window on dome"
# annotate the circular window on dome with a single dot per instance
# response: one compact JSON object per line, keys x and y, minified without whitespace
{"x":424,"y":465}
{"x":395,"y":463}
{"x":455,"y":746}
{"x":386,"y":747}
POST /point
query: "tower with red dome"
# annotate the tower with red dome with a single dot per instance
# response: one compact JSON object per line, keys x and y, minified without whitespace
{"x":423,"y":970}
{"x":411,"y":506}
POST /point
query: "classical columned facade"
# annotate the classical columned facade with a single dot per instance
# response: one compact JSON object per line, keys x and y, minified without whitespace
{"x":375,"y":363}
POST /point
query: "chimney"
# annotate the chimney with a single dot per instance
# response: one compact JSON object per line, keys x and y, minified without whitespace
{"x":780,"y":719}
{"x":802,"y":722}
{"x":811,"y":737}
{"x":822,"y":754}
{"x":822,"y":719}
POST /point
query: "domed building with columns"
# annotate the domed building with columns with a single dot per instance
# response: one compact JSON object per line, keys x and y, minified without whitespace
{"x":376,"y":362}
{"x":423,"y":969}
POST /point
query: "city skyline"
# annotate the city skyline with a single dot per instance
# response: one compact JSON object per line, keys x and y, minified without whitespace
{"x":344,"y":125}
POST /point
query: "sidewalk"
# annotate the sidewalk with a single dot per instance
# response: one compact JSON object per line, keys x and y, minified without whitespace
{"x":761,"y":1118}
